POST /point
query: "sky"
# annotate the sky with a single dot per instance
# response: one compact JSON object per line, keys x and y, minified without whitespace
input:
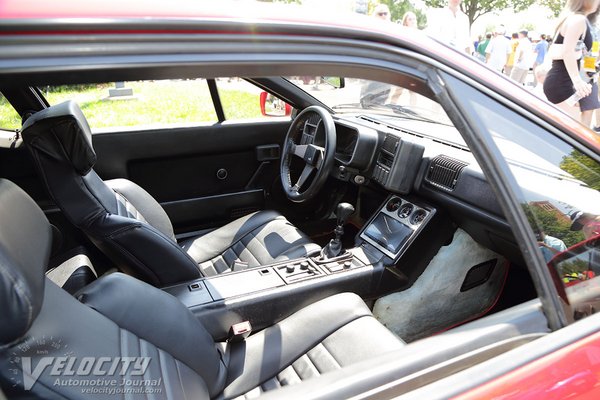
{"x":537,"y":15}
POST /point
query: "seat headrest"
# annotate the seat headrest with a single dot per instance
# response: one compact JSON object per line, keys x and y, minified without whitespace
{"x":61,"y":131}
{"x":25,"y":244}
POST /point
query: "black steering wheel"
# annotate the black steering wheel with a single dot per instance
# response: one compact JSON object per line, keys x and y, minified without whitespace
{"x":304,"y":141}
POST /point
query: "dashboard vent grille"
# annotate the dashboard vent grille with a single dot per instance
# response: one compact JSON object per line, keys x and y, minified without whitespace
{"x":444,"y":172}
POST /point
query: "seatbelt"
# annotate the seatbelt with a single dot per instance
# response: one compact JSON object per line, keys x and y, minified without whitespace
{"x":63,"y":272}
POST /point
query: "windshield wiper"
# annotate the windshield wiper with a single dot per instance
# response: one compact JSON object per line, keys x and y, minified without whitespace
{"x":347,"y":106}
{"x":404,"y":111}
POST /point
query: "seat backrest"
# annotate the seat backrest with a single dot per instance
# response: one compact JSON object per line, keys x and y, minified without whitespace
{"x":124,"y":221}
{"x":148,"y":336}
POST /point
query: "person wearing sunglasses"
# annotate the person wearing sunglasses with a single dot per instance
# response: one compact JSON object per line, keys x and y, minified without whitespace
{"x":382,"y":12}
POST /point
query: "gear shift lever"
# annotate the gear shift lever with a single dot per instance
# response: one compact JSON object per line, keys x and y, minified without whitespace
{"x":334,"y":247}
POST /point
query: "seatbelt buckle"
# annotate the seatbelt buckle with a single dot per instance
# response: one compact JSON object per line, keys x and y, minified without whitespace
{"x":239,"y":332}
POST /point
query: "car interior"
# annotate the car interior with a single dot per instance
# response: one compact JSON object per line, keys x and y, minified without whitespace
{"x":259,"y":258}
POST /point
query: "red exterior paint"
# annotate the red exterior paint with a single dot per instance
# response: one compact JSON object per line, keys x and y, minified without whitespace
{"x":250,"y":16}
{"x":572,"y":372}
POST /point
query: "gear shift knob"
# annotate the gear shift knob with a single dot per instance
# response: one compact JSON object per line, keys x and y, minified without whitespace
{"x":343,"y":212}
{"x":334,"y":247}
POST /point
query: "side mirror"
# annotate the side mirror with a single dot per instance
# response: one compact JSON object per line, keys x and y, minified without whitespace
{"x":272,"y":106}
{"x":337,"y":82}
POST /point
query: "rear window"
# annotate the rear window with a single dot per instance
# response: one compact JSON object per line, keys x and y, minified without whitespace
{"x":9,"y":118}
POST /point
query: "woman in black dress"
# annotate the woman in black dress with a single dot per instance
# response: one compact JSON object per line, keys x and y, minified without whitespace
{"x":590,"y":103}
{"x":564,"y":79}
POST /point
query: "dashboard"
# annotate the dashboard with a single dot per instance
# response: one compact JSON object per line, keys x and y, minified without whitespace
{"x":403,"y":161}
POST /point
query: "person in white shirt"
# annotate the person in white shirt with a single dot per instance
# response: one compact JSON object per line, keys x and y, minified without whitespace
{"x":498,"y":50}
{"x":450,"y":25}
{"x":524,"y":58}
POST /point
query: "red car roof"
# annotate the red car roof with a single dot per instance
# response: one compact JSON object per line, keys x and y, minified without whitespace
{"x":252,"y":15}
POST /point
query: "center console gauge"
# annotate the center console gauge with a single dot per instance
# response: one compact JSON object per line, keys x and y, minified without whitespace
{"x":405,"y":210}
{"x":418,"y":216}
{"x":393,"y":204}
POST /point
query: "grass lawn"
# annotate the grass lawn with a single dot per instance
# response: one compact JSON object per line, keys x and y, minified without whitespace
{"x":154,"y":103}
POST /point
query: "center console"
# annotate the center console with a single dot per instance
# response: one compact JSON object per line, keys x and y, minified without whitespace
{"x":270,"y":293}
{"x":396,"y":225}
{"x":382,"y":260}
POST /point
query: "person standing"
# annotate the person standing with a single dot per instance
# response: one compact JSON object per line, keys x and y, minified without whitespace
{"x":498,"y":50}
{"x":523,"y":58}
{"x":564,"y":85}
{"x":590,"y":103}
{"x":382,"y":12}
{"x":409,"y":20}
{"x":482,"y":46}
{"x":514,"y":43}
{"x":450,"y":25}
{"x":477,"y":41}
{"x":540,"y":49}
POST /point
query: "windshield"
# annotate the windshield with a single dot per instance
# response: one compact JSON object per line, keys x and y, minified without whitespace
{"x":371,"y":97}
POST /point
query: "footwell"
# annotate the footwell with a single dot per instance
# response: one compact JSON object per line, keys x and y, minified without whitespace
{"x":462,"y":282}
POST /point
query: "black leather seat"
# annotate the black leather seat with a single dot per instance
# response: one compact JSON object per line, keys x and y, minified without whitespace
{"x":124,"y":317}
{"x":128,"y":225}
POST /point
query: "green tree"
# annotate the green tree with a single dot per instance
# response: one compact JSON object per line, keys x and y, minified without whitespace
{"x":400,"y":7}
{"x":583,"y":168}
{"x":476,"y":8}
{"x":547,"y":221}
{"x":555,"y":6}
{"x":528,"y":27}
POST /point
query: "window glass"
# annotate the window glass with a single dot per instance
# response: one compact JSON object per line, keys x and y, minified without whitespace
{"x":9,"y":118}
{"x":241,"y":99}
{"x":365,"y":96}
{"x":560,"y":192}
{"x":140,"y":104}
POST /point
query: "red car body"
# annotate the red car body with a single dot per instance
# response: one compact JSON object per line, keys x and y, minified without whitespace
{"x":572,"y":371}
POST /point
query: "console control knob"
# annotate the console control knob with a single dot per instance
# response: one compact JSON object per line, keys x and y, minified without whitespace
{"x":359,"y":179}
{"x":347,"y":264}
{"x":290,"y":268}
{"x":304,"y":265}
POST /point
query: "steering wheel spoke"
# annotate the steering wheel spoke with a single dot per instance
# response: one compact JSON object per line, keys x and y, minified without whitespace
{"x":298,"y":150}
{"x":306,"y":172}
{"x":318,"y":160}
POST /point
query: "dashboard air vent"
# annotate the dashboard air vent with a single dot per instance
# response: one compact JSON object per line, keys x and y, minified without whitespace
{"x":444,"y":172}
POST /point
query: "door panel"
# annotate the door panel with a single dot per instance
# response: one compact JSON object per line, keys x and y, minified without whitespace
{"x":179,"y":166}
{"x":208,"y":211}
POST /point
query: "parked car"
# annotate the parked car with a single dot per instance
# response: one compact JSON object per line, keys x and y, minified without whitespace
{"x":185,"y":215}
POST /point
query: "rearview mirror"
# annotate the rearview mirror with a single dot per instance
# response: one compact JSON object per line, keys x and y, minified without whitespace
{"x":273,"y":106}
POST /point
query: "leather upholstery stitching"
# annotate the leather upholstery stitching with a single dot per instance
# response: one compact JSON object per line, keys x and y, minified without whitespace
{"x":179,"y":377}
{"x":327,"y":351}
{"x":330,"y":352}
